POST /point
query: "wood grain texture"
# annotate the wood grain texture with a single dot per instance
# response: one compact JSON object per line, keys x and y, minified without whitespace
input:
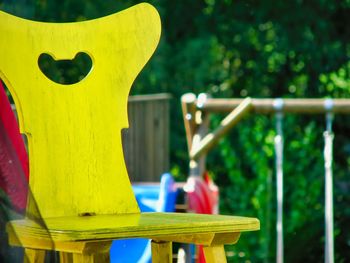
{"x":84,"y":258}
{"x":74,"y":131}
{"x":66,"y":257}
{"x":146,"y":142}
{"x":34,"y":256}
{"x":215,"y":254}
{"x":90,"y":258}
{"x":150,"y":225}
{"x":207,"y":239}
{"x":161,"y":252}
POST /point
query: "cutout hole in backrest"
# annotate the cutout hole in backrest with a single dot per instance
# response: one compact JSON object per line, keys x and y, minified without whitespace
{"x":65,"y":71}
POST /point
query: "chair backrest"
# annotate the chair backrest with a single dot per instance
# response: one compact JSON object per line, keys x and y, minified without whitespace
{"x":74,"y":131}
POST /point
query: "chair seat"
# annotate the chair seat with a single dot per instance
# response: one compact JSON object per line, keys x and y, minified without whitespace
{"x":109,"y":227}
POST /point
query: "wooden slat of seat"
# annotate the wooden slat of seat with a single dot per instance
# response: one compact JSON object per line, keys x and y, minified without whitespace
{"x":78,"y":234}
{"x":107,"y":227}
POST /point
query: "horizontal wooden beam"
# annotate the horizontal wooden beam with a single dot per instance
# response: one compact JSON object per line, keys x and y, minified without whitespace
{"x":267,"y":106}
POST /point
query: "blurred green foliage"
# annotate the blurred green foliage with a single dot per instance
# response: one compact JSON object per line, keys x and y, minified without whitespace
{"x":291,"y":49}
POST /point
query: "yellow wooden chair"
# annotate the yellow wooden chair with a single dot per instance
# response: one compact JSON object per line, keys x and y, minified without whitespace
{"x":81,"y":197}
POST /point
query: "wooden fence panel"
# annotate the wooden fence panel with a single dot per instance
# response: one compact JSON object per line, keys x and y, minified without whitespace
{"x":146,"y":142}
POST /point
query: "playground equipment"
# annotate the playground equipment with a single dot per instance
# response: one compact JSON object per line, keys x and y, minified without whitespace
{"x":200,"y":142}
{"x":80,"y":197}
{"x":278,"y":104}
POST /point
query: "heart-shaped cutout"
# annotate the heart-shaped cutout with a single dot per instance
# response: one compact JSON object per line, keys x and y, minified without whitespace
{"x":65,"y":71}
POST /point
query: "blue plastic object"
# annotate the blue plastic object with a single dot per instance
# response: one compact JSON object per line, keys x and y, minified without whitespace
{"x":150,"y":198}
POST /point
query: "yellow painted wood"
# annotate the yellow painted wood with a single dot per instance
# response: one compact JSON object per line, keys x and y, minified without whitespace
{"x":215,"y":254}
{"x":84,"y":257}
{"x":106,"y":227}
{"x":161,"y":252}
{"x":36,"y":240}
{"x":34,"y":256}
{"x":225,"y":238}
{"x":102,"y":257}
{"x":74,"y":131}
{"x":66,"y":257}
{"x":207,"y":239}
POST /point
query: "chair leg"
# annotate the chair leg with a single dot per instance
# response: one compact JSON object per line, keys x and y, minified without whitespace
{"x":89,"y":258}
{"x":34,"y":256}
{"x":162,"y":252}
{"x":102,"y":257}
{"x":66,"y":257}
{"x":214,"y":254}
{"x":83,"y":258}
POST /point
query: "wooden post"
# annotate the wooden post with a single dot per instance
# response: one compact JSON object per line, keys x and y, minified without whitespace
{"x":34,"y":256}
{"x":197,"y":166}
{"x":161,"y":252}
{"x":196,"y":126}
{"x":215,"y":254}
{"x":189,"y":111}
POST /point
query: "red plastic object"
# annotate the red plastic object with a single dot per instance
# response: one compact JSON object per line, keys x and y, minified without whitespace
{"x":14,"y":170}
{"x":203,"y":198}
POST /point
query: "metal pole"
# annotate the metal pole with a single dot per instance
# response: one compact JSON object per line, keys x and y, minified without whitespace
{"x":278,"y":105}
{"x":328,"y":160}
